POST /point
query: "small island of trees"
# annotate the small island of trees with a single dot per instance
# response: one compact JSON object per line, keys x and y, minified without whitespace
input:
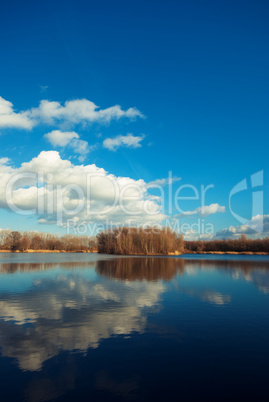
{"x":132,"y":241}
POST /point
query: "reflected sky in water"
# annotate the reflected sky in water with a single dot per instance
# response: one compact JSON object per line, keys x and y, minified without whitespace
{"x":81,"y":326}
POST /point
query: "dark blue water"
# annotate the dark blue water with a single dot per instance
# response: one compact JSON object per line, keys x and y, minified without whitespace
{"x":95,"y":328}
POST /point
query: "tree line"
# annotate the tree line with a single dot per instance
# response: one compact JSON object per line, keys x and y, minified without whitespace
{"x":17,"y":241}
{"x":242,"y":244}
{"x":126,"y":241}
{"x":164,"y":241}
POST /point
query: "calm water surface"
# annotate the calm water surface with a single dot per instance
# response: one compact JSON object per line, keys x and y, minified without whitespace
{"x":97,"y":328}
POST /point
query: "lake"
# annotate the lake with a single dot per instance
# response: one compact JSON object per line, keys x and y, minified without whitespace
{"x":101,"y":328}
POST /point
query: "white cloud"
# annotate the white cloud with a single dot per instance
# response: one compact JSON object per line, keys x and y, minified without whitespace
{"x":60,"y":138}
{"x":81,"y":147}
{"x":163,"y":182}
{"x":258,"y":226}
{"x":80,"y":111}
{"x":11,"y":119}
{"x":70,"y":139}
{"x":95,"y":195}
{"x":191,"y":235}
{"x":206,"y":210}
{"x":128,"y":141}
{"x":53,"y":113}
{"x":4,"y":161}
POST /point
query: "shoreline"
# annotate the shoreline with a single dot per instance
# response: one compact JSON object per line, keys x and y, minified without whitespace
{"x":46,"y":251}
{"x":228,"y":252}
{"x":197,"y":253}
{"x":145,"y":255}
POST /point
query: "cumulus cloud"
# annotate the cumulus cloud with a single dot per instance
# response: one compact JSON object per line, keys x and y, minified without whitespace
{"x":53,"y":113}
{"x":70,"y":139}
{"x":80,"y":111}
{"x":10,"y":119}
{"x":191,"y":235}
{"x":258,"y":226}
{"x":60,"y":138}
{"x":81,"y":147}
{"x":206,"y":210}
{"x":55,"y":189}
{"x":127,"y":141}
{"x":4,"y":161}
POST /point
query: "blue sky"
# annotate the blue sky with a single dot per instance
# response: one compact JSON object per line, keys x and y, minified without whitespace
{"x":195,"y":75}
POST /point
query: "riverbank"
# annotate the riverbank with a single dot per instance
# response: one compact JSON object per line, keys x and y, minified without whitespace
{"x":47,"y":251}
{"x":227,"y":252}
{"x":139,"y":254}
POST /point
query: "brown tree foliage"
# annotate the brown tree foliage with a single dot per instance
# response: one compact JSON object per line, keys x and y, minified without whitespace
{"x":148,"y":241}
{"x":16,"y":241}
{"x":242,"y":244}
{"x":126,"y":241}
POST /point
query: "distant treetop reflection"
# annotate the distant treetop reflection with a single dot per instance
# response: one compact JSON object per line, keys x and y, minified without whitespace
{"x":12,"y":267}
{"x":133,"y":269}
